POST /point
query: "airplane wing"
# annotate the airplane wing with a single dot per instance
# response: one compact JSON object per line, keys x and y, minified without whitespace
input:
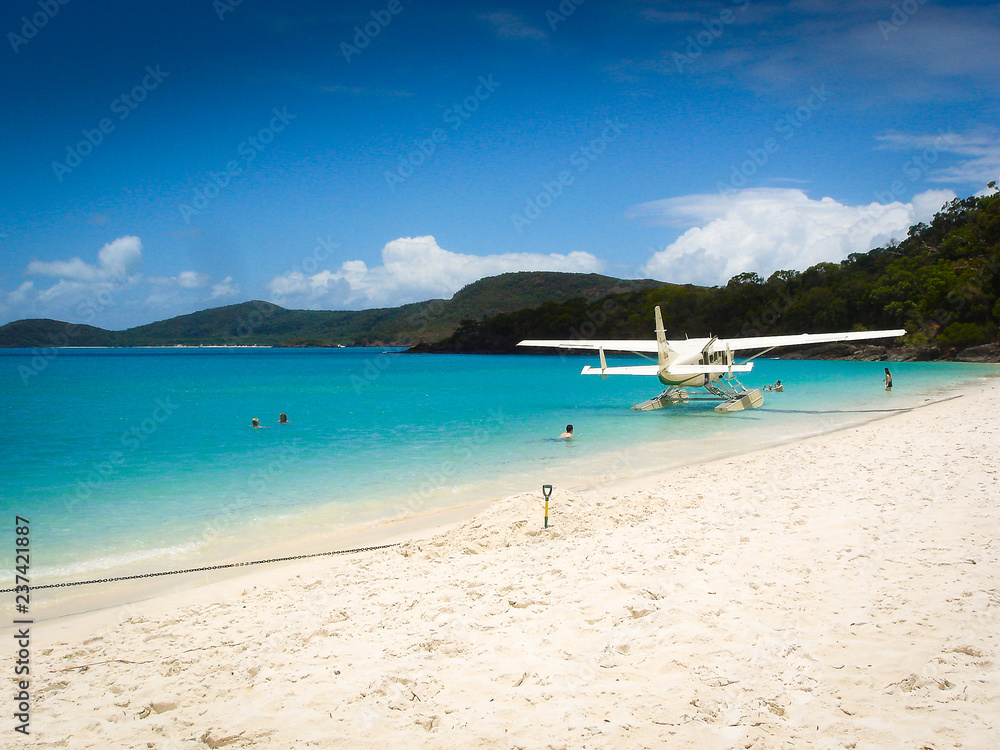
{"x":632,"y":370}
{"x":672,"y":370}
{"x":768,"y":342}
{"x":705,"y":346}
{"x":611,"y":345}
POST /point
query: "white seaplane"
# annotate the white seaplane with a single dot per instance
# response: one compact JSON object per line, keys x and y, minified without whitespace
{"x":707,"y":363}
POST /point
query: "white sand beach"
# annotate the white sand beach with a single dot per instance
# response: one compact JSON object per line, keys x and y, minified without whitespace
{"x":839,"y":592}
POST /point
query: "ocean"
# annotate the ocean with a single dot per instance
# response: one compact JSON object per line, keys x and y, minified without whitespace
{"x":128,"y":461}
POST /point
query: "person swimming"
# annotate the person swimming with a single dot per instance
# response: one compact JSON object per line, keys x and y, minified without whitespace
{"x":569,"y":432}
{"x":282,"y":418}
{"x":255,"y":422}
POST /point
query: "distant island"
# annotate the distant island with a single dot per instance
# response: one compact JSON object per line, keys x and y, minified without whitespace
{"x":941,"y":283}
{"x":259,"y":323}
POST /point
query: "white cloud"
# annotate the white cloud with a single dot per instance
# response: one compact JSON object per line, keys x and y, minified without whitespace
{"x":938,"y":41}
{"x":183,"y":280}
{"x":874,"y":53}
{"x":928,"y":203}
{"x":413,"y":269}
{"x":119,"y":258}
{"x":111,"y":291}
{"x":116,"y":262}
{"x":80,"y":284}
{"x":182,"y":290}
{"x":74,"y":269}
{"x":20,"y":295}
{"x":979,"y":149}
{"x":192,"y":280}
{"x":770,"y":229}
{"x":225,"y":288}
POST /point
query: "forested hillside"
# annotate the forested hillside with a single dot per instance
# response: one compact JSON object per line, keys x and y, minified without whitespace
{"x":941,"y":284}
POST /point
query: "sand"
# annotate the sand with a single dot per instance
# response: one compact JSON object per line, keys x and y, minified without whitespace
{"x":839,"y":592}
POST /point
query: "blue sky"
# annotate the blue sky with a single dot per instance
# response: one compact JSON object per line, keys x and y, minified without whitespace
{"x":162,"y":158}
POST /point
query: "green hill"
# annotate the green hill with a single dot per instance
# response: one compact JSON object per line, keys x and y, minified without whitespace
{"x":264,"y":323}
{"x":44,"y":332}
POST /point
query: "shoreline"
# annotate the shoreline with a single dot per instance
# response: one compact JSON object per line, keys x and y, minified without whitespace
{"x":837,"y":590}
{"x":146,"y":588}
{"x":427,"y":521}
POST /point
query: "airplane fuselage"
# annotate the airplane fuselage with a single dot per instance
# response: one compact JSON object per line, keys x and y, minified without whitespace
{"x":686,"y":352}
{"x":691,"y":381}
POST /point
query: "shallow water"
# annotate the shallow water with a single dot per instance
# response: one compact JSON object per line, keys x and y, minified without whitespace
{"x":133,"y":460}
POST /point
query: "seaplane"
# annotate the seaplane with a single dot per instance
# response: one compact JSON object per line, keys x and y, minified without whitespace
{"x":708,"y":363}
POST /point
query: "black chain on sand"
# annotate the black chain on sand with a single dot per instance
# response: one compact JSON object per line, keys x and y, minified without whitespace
{"x":208,"y":567}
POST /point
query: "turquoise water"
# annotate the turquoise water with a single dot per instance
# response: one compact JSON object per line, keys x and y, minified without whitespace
{"x":134,"y":460}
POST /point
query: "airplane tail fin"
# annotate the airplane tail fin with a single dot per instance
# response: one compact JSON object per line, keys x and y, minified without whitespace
{"x":661,"y":340}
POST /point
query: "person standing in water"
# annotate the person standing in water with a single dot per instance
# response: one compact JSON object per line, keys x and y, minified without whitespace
{"x":569,"y":432}
{"x":888,"y":379}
